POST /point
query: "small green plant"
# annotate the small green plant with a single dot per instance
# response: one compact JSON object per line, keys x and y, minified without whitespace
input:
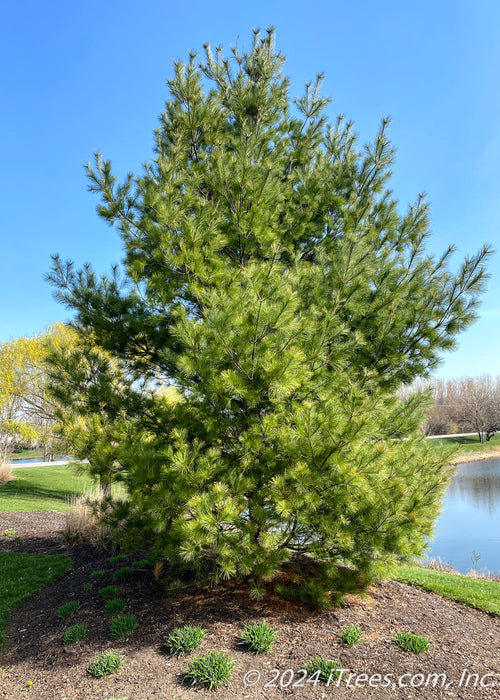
{"x":123,"y":626}
{"x":108,"y":591}
{"x":474,"y":559}
{"x":95,"y":574}
{"x":74,"y":634}
{"x":118,"y":558}
{"x":349,"y":635}
{"x":258,"y":637}
{"x":68,"y":609}
{"x":105,"y":664}
{"x":141,"y":563}
{"x":114,"y":606}
{"x":9,"y":533}
{"x":4,"y":670}
{"x":212,"y":670}
{"x":18,"y":538}
{"x":87,"y":586}
{"x":185,"y":639}
{"x":411,"y":642}
{"x":323,"y":669}
{"x":122,"y":573}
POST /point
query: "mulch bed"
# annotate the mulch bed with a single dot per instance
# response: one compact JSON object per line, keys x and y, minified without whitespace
{"x":461,"y":638}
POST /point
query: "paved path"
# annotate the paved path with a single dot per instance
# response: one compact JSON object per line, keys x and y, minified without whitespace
{"x":45,"y":464}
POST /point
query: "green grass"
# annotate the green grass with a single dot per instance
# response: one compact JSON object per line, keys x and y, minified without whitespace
{"x":42,"y":488}
{"x":21,"y":575}
{"x":484,"y":595}
{"x":466,"y":443}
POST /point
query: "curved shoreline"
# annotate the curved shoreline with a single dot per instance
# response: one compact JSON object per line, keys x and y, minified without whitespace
{"x":465,"y":457}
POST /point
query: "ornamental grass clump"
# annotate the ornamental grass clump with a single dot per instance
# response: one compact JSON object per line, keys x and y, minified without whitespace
{"x":212,"y":670}
{"x":183,"y":640}
{"x":105,"y":664}
{"x":411,"y":642}
{"x":108,"y":591}
{"x":123,"y":626}
{"x":258,"y":637}
{"x":68,"y":609}
{"x":115,"y":606}
{"x":350,"y":635}
{"x":123,"y":573}
{"x":74,"y":634}
{"x":323,"y":669}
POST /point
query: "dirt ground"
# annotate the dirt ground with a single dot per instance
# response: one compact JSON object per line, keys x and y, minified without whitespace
{"x":463,"y":660}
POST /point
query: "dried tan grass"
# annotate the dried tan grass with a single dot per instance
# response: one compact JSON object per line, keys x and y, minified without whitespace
{"x":82,"y":524}
{"x":6,"y":474}
{"x":439,"y":565}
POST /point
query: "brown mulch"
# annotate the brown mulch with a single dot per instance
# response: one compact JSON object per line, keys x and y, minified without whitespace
{"x":462,"y":639}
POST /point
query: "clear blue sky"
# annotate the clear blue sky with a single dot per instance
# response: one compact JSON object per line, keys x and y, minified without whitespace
{"x":77,"y":77}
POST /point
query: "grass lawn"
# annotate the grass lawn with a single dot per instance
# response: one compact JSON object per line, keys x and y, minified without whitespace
{"x":42,"y":488}
{"x":484,"y":595}
{"x":24,"y":574}
{"x":469,"y":443}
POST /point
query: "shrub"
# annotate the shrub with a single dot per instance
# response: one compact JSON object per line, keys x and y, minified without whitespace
{"x":108,"y":591}
{"x":185,"y":639}
{"x":350,"y":635}
{"x":74,"y":634}
{"x":122,"y":574}
{"x":95,"y":574}
{"x":123,"y":626}
{"x":105,"y":664}
{"x":212,"y":669}
{"x":114,"y":606}
{"x":68,"y":609}
{"x":258,"y":637}
{"x":324,"y":668}
{"x":411,"y":642}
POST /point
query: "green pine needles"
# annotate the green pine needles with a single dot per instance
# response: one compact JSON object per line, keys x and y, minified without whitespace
{"x":244,"y":364}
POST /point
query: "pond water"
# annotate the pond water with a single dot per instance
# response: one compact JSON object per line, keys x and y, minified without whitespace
{"x":470,"y":519}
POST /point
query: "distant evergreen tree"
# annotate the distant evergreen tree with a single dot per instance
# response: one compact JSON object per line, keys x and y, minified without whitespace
{"x":270,"y":279}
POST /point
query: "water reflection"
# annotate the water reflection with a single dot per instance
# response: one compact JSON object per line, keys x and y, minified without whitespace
{"x":470,"y":519}
{"x":479,"y":481}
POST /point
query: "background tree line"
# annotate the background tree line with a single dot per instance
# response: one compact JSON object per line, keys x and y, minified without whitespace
{"x":462,"y":405}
